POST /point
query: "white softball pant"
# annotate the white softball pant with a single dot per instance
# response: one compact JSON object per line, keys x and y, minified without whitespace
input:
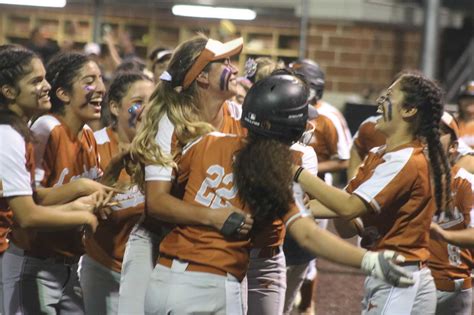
{"x":454,"y":303}
{"x":100,"y":286}
{"x":382,"y":298}
{"x":39,"y":286}
{"x":137,"y":267}
{"x":177,"y":291}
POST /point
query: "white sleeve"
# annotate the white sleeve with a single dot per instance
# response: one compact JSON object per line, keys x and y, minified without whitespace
{"x":42,"y":129}
{"x":163,"y":138}
{"x":15,"y":179}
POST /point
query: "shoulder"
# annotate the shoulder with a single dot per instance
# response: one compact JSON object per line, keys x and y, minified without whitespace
{"x":101,"y":136}
{"x":10,"y":138}
{"x":44,"y":125}
{"x":213,"y":138}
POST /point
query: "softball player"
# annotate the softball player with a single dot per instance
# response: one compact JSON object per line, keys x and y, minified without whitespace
{"x":189,"y":101}
{"x":65,"y":150}
{"x":466,"y":117}
{"x":101,"y":265}
{"x":392,"y":192}
{"x":199,"y":269}
{"x":24,"y":94}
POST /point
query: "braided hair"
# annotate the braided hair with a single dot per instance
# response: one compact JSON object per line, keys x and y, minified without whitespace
{"x":61,"y":72}
{"x":14,"y":64}
{"x":427,"y":97}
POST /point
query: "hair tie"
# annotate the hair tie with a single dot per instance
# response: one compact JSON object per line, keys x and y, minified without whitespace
{"x":178,"y":88}
{"x":166,"y":76}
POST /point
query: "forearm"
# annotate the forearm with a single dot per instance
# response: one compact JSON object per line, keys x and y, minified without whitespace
{"x":345,"y":229}
{"x":332,"y":166}
{"x":325,"y":244}
{"x":59,"y":194}
{"x":344,"y":204}
{"x":461,"y":238}
{"x":165,"y":207}
{"x":354,"y":163}
{"x":466,"y":162}
{"x":320,"y":211}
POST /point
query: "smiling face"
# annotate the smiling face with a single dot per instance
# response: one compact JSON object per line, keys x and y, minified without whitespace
{"x":130,"y":106}
{"x":32,"y":90}
{"x":87,"y":93}
{"x":390,"y":106}
{"x":222,"y":77}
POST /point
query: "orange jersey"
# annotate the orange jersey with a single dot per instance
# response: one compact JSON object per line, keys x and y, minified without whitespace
{"x":206,"y":168}
{"x":367,"y":137}
{"x":331,"y":134}
{"x":107,"y":244}
{"x":396,"y":184}
{"x":168,"y":142}
{"x":16,"y":175}
{"x":466,"y":132}
{"x":60,"y":157}
{"x":448,"y":261}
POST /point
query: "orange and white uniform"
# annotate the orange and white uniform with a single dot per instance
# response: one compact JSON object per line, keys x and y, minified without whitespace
{"x":449,"y":262}
{"x":367,"y":137}
{"x":16,"y":176}
{"x":60,"y":157}
{"x":396,"y":184}
{"x":140,"y":254}
{"x":107,"y":245}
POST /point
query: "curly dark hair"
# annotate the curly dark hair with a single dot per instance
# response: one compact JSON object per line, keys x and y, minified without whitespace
{"x":61,"y":72}
{"x":427,"y":97}
{"x":262,"y":175}
{"x":14,"y":64}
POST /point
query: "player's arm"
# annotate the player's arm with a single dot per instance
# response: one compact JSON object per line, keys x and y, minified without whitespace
{"x":348,"y":229}
{"x":467,"y":163}
{"x":30,"y":215}
{"x":320,"y":211}
{"x":324,"y":244}
{"x":461,"y":238}
{"x":354,"y":162}
{"x":334,"y":165}
{"x":347,"y":206}
{"x":69,"y":192}
{"x":163,"y":206}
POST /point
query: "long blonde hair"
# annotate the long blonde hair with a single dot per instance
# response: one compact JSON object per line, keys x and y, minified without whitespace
{"x":181,"y":107}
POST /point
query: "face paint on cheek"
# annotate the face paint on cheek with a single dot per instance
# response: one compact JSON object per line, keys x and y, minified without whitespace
{"x":89,"y":93}
{"x":133,"y":111}
{"x":224,"y":79}
{"x":389,"y":109}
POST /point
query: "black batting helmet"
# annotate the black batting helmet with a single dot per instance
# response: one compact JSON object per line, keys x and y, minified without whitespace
{"x":312,"y":73}
{"x":277,"y":107}
{"x":466,"y":90}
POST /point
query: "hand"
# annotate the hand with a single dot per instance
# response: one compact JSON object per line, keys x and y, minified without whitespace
{"x":88,"y":186}
{"x":233,"y":220}
{"x":86,"y":203}
{"x":382,"y":265}
{"x":115,"y":167}
{"x":436,"y":231}
{"x":103,"y":205}
{"x":90,"y":223}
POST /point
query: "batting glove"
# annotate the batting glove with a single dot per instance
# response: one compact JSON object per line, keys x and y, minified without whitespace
{"x":382,"y":265}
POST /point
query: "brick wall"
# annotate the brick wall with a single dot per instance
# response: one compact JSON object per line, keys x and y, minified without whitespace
{"x":357,"y":56}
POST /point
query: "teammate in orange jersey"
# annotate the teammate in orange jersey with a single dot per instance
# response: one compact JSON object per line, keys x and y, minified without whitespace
{"x":449,"y":263}
{"x":101,"y":265}
{"x":199,"y":269}
{"x":24,"y":93}
{"x":65,"y":150}
{"x":392,"y":192}
{"x":190,"y":100}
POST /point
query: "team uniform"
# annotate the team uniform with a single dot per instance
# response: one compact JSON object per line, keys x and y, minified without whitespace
{"x":100,"y":267}
{"x":16,"y":179}
{"x":141,"y":249}
{"x":199,"y":270}
{"x":42,"y":266}
{"x":396,"y":185}
{"x":450,"y":264}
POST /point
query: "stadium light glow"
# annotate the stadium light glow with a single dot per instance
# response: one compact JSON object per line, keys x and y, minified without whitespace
{"x":37,"y":3}
{"x":200,"y":11}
